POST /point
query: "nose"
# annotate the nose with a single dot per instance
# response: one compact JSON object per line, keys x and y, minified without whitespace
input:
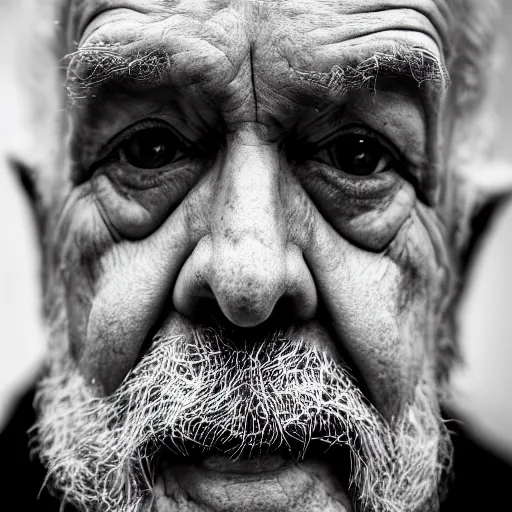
{"x":248,"y":263}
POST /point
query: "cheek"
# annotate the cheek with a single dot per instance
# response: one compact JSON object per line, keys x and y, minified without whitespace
{"x":114,"y":290}
{"x":381,"y":306}
{"x":420,"y":251}
{"x":79,"y":242}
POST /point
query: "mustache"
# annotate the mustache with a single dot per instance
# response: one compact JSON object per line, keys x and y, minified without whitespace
{"x":204,"y":393}
{"x":214,"y":395}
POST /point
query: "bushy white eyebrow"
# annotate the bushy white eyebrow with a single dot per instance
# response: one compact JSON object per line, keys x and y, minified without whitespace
{"x":401,"y":60}
{"x":91,"y":66}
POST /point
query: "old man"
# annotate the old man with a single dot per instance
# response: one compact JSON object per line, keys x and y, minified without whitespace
{"x":255,"y":231}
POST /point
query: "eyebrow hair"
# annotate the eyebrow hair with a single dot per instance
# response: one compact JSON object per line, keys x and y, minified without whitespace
{"x":414,"y":62}
{"x":90,"y":67}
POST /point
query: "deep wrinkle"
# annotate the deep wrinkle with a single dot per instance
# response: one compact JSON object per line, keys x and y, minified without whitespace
{"x":437,"y":16}
{"x":253,"y":82}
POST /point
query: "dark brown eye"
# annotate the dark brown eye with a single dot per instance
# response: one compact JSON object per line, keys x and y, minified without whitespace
{"x":151,"y":148}
{"x":358,"y":155}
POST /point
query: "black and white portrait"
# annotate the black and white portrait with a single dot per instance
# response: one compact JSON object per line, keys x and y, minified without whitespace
{"x":241,"y":238}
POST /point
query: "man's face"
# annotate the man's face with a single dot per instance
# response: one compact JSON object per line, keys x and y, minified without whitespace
{"x":249,"y":261}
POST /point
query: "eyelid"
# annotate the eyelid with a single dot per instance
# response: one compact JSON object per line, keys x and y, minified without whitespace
{"x":357,"y":129}
{"x":115,"y":142}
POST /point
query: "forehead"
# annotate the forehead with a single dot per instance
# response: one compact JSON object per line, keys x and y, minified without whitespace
{"x":310,"y":24}
{"x":231,"y":47}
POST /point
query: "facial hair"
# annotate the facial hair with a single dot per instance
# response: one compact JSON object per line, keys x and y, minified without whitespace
{"x":205,"y":393}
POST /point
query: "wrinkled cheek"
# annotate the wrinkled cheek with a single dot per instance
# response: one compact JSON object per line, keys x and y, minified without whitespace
{"x":114,"y":291}
{"x":420,"y":293}
{"x":133,"y":297}
{"x":380,"y":309}
{"x":79,"y":242}
{"x":427,"y":279}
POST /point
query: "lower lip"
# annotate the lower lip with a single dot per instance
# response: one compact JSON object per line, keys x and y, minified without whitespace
{"x":267,"y":483}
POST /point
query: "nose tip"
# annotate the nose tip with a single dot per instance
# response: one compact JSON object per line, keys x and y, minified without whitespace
{"x":247,"y":309}
{"x":248,"y":288}
{"x":247,"y":282}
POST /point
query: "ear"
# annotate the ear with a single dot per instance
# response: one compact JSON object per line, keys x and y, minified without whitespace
{"x":478,"y":195}
{"x":485,"y":194}
{"x":27,"y":179}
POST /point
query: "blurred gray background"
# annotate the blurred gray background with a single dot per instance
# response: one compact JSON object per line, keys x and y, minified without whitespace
{"x":483,"y":387}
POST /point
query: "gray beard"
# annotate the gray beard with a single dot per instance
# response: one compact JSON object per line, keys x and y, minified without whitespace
{"x":204,"y":394}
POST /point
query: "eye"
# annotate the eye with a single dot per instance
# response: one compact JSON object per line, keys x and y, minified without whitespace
{"x":150,"y":148}
{"x":358,"y":154}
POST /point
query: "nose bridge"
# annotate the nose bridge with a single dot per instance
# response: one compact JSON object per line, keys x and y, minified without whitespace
{"x":248,"y":260}
{"x":248,"y":208}
{"x":248,"y":271}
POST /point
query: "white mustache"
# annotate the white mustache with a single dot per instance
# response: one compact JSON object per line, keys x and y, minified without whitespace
{"x":210,"y":394}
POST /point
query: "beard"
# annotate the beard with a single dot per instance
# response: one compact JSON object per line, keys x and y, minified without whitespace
{"x":205,"y":394}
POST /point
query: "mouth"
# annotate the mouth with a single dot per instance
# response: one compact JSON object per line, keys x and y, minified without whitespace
{"x":262,"y":480}
{"x":255,"y":472}
{"x":270,"y":481}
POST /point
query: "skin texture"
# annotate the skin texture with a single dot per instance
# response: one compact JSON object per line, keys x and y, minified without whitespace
{"x":255,"y":222}
{"x":261,"y":238}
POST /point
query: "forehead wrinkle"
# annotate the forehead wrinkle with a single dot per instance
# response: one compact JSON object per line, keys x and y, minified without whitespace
{"x":351,"y":27}
{"x":144,"y":63}
{"x":78,"y":14}
{"x":437,"y":12}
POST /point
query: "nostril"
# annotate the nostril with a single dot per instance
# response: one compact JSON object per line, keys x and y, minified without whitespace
{"x":248,"y":282}
{"x":207,"y":311}
{"x":211,"y":316}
